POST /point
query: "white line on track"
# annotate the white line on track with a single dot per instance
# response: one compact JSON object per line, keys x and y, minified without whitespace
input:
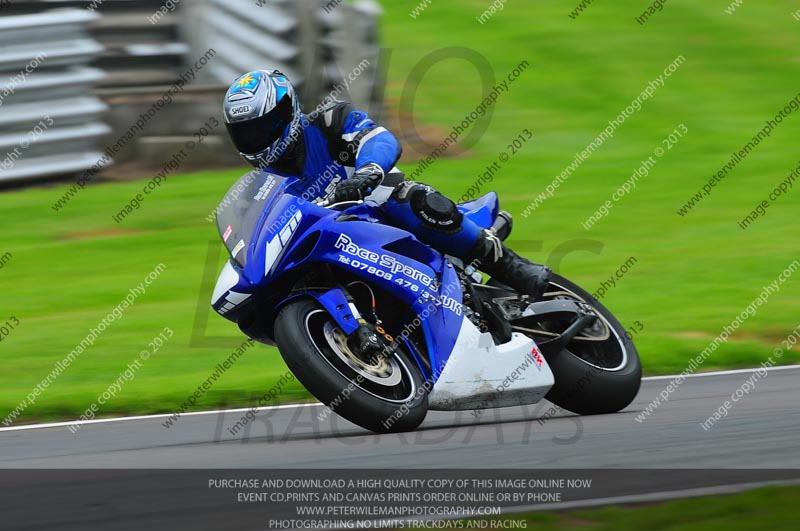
{"x":159,"y":416}
{"x":722,"y":373}
{"x":317,"y":404}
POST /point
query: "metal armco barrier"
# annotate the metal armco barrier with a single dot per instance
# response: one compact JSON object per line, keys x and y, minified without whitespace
{"x":316,"y":48}
{"x":50,"y":120}
{"x":117,"y":50}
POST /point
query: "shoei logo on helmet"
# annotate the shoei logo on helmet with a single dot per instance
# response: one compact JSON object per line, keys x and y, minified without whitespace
{"x":241,"y":109}
{"x":247,"y":83}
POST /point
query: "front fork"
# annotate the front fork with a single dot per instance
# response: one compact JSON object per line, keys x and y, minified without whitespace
{"x":340,"y":304}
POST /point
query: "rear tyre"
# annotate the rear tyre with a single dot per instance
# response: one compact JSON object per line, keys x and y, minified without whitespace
{"x":593,"y":377}
{"x":382,"y":396}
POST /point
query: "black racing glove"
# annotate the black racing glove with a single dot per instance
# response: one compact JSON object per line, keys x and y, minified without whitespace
{"x":360,"y":185}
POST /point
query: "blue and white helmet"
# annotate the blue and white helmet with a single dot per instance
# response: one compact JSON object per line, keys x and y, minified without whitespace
{"x":262,"y":115}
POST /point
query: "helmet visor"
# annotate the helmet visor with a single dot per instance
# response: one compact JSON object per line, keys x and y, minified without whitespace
{"x":255,"y":136}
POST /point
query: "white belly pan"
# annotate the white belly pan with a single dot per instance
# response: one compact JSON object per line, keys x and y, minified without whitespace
{"x":480,"y":375}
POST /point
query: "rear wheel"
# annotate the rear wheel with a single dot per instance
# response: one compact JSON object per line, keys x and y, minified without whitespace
{"x":597,"y":372}
{"x":382,"y":394}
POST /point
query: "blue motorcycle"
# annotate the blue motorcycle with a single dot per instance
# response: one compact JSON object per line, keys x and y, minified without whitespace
{"x":380,"y":327}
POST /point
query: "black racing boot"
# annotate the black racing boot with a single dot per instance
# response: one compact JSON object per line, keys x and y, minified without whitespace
{"x":493,"y":257}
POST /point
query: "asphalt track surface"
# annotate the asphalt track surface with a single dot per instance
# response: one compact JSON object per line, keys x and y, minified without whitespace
{"x":762,"y":430}
{"x":759,"y":440}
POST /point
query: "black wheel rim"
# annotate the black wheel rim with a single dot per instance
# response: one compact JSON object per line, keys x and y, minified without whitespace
{"x":610,"y":355}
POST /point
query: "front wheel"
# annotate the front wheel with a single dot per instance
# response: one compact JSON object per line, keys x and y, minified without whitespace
{"x":384,"y":394}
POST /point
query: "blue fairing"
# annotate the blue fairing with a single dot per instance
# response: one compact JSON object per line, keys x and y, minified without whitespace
{"x":483,"y":210}
{"x":293,"y":233}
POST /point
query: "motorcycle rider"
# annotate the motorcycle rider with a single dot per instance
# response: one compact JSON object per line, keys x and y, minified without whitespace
{"x":340,"y":154}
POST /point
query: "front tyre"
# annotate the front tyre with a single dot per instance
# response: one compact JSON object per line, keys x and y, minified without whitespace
{"x":381,"y":395}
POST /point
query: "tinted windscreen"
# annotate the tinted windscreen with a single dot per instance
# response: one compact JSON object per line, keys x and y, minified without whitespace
{"x":241,"y":208}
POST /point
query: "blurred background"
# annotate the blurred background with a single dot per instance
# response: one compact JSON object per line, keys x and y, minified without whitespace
{"x":101,"y":97}
{"x":97,"y":66}
{"x":113,"y":159}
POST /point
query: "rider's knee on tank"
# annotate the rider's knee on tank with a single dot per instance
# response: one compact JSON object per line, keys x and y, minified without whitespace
{"x":431,"y":217}
{"x":433,"y":209}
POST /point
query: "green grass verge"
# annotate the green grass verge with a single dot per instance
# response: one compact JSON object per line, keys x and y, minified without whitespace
{"x":773,"y":508}
{"x":693,"y":275}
